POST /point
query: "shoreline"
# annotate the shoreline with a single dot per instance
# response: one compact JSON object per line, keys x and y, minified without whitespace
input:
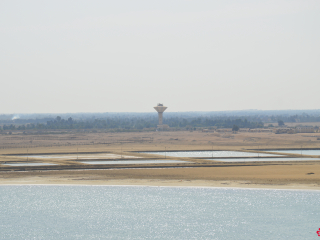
{"x":234,"y":184}
{"x":293,"y":176}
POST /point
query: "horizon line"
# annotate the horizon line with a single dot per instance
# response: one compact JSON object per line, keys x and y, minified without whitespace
{"x":17,"y":113}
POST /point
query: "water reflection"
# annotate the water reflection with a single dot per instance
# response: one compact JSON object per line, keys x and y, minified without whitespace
{"x":134,"y":162}
{"x":212,"y":154}
{"x":262,"y":159}
{"x":296,"y":151}
{"x":78,"y":156}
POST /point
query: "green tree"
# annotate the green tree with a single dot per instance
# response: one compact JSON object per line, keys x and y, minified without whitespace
{"x":235,"y":128}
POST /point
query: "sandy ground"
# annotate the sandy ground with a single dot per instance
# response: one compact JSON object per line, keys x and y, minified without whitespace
{"x":280,"y":175}
{"x":276,"y":177}
{"x":156,"y":141}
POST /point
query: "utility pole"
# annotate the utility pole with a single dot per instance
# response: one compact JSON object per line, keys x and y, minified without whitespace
{"x":212,"y":150}
{"x":165,"y":152}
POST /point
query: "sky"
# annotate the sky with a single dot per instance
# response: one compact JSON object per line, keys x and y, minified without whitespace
{"x":126,"y":56}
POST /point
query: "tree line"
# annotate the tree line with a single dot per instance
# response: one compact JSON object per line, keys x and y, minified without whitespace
{"x":135,"y":123}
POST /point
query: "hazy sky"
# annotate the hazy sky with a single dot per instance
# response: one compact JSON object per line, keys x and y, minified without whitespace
{"x":126,"y":56}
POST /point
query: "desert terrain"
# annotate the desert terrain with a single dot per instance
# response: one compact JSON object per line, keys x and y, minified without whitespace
{"x":22,"y":147}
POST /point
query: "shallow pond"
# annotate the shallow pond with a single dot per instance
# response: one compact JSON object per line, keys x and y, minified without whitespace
{"x":196,"y":154}
{"x":303,"y":152}
{"x":79,"y":156}
{"x":134,"y":162}
{"x":263,"y":159}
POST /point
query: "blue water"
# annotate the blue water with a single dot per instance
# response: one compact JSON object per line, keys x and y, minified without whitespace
{"x":303,"y":152}
{"x":107,"y":212}
{"x":212,"y":154}
{"x":262,"y":159}
{"x":134,"y":162}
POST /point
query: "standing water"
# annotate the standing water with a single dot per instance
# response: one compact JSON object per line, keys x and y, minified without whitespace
{"x":212,"y":154}
{"x":121,"y":212}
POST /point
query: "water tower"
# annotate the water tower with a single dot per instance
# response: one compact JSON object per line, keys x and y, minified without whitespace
{"x":160,"y":109}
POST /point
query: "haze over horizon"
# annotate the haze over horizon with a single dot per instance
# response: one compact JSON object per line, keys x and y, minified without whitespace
{"x":127,"y":56}
{"x":17,"y":115}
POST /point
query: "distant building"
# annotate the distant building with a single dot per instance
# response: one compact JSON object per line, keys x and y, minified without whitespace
{"x":259,"y":130}
{"x":283,"y":130}
{"x":305,"y":129}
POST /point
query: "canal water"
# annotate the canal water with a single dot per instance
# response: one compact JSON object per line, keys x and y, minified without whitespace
{"x":129,"y":212}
